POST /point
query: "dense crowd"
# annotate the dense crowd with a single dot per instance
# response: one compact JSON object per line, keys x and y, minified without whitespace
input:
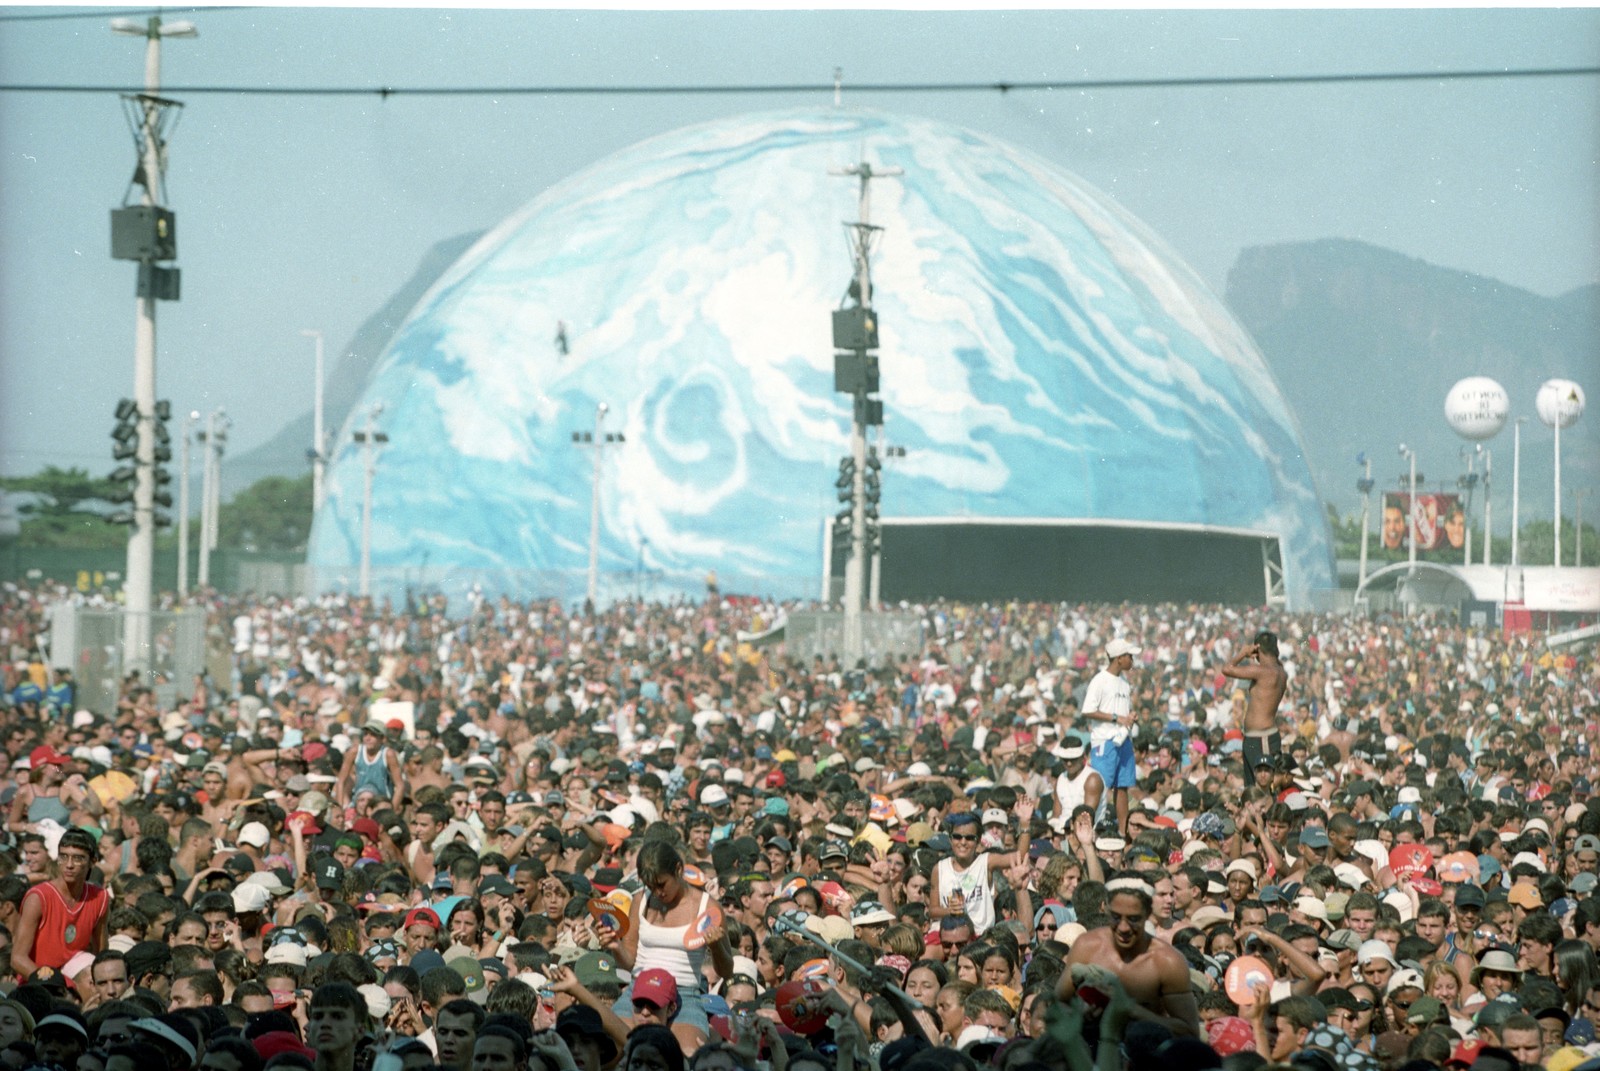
{"x":517,"y":837}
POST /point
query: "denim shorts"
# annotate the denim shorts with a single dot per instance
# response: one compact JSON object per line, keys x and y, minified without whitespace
{"x":691,"y":1007}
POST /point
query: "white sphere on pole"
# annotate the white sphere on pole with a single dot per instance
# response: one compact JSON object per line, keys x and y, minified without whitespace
{"x":1559,"y":403}
{"x":1476,"y":407}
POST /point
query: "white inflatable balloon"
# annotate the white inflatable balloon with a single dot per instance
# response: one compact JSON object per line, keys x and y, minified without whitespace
{"x":1476,"y":408}
{"x":1559,"y":402}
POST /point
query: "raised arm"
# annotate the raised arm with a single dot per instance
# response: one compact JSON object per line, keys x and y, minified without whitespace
{"x":1235,"y":667}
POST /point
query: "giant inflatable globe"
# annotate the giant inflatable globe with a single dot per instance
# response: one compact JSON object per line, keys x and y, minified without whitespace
{"x":1044,"y":358}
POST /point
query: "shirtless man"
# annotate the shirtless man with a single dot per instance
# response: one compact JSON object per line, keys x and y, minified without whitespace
{"x":1155,"y":975}
{"x":1268,"y":681}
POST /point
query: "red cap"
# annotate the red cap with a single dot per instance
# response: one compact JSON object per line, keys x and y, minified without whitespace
{"x":276,"y":1042}
{"x":395,"y":723}
{"x":45,"y":755}
{"x":776,"y":779}
{"x":422,"y":914}
{"x":1465,"y":1053}
{"x":656,"y":986}
{"x":313,"y":751}
{"x":366,"y":827}
{"x":311,"y":827}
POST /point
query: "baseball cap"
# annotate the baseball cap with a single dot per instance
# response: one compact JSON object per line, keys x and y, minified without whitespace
{"x":254,"y":834}
{"x":595,"y":968}
{"x":45,"y":755}
{"x":249,"y":898}
{"x":471,"y":972}
{"x":383,"y":948}
{"x":656,"y":986}
{"x":1116,"y":649}
{"x":330,"y":875}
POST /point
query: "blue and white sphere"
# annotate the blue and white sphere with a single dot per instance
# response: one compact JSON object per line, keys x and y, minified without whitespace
{"x":1044,"y":356}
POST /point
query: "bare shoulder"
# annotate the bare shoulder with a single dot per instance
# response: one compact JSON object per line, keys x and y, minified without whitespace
{"x":1168,"y":960}
{"x":1089,"y":946}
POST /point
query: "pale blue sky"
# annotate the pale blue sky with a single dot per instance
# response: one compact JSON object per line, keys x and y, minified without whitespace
{"x":299,"y":212}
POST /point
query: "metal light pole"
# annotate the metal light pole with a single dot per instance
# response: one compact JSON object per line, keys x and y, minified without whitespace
{"x":1577,"y":506}
{"x":597,"y":440}
{"x":1488,"y":526}
{"x":139,"y":575}
{"x":207,"y":477}
{"x":183,"y":504}
{"x":860,"y":321}
{"x":1364,"y":485}
{"x":1556,"y":515}
{"x":370,"y":440}
{"x":318,"y":443}
{"x":1411,"y":509}
{"x":1470,"y":482}
{"x":594,"y":506}
{"x":1516,"y":489}
{"x":218,"y":440}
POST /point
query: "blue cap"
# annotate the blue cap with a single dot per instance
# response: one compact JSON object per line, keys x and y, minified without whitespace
{"x":425,"y":961}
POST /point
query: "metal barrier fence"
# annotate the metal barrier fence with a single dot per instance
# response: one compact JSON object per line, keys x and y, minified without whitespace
{"x":887,"y":634}
{"x":90,"y":642}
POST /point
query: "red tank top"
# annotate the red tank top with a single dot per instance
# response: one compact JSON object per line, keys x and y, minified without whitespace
{"x":65,"y":931}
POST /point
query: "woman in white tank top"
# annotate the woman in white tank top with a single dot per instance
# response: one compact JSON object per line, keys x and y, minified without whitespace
{"x":669,"y":916}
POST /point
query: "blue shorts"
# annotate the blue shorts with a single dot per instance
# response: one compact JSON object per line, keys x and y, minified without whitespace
{"x":1114,"y":763}
{"x":691,"y":1010}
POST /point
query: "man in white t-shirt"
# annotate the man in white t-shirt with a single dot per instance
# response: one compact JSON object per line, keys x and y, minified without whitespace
{"x":1108,"y":706}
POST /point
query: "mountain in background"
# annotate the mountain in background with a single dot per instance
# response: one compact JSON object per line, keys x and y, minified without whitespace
{"x":285,"y":453}
{"x":1365,"y":343}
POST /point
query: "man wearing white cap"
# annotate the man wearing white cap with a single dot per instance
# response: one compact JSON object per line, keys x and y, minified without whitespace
{"x":1108,"y":704}
{"x":1079,"y":784}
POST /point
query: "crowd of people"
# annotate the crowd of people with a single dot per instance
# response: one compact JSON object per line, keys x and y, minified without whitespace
{"x":505,"y":836}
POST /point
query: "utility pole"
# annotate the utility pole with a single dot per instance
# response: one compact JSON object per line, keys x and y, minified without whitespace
{"x":1467,"y":483}
{"x":855,"y":372}
{"x":146,"y":233}
{"x":319,"y":445}
{"x":1577,"y":505}
{"x":1516,"y":488}
{"x":598,"y":440}
{"x":1488,"y":526}
{"x":1364,"y":485}
{"x":1411,"y":509}
{"x":183,"y":504}
{"x":371,"y":440}
{"x":215,"y":437}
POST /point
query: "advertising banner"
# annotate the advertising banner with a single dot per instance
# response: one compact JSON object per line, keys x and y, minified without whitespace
{"x":1436,"y":521}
